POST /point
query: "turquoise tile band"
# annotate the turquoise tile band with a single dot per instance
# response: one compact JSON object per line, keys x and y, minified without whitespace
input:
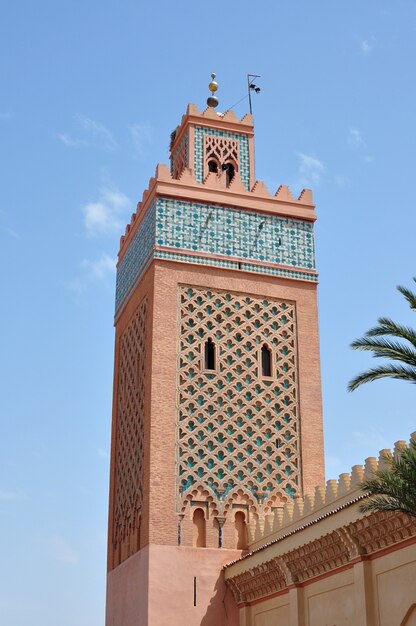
{"x":253,"y":237}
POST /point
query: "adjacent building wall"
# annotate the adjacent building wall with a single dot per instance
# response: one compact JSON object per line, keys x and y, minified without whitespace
{"x":324,"y":562}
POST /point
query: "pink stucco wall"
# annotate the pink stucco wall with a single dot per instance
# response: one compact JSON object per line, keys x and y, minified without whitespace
{"x":155,"y":587}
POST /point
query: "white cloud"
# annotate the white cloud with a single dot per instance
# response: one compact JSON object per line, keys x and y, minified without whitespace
{"x":341,"y":180}
{"x":100,"y":268}
{"x":92,"y":271}
{"x":362,"y":439}
{"x":105,"y":216}
{"x":62,"y":551}
{"x":10,"y":495}
{"x":311,"y":170}
{"x":355,"y":139}
{"x":356,"y":142}
{"x":70,"y":142}
{"x":97,"y":131}
{"x":11,"y":232}
{"x":142,"y":137}
{"x":368,"y":45}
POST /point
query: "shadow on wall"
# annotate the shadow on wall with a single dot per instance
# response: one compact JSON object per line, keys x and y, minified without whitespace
{"x":410,"y":617}
{"x":222,"y":610}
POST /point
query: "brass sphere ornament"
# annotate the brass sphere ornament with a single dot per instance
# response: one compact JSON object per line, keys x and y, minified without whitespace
{"x":212,"y":101}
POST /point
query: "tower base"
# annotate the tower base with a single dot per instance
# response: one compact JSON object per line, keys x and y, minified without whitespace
{"x":162,"y":585}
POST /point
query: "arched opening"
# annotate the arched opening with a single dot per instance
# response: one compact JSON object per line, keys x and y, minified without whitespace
{"x":212,"y":166}
{"x":230,"y":171}
{"x":199,"y":535}
{"x":209,"y":355}
{"x":266,"y":360}
{"x":240,"y":531}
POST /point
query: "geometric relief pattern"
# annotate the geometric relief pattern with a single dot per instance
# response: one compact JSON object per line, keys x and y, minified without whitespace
{"x":179,"y":159}
{"x":222,"y":151}
{"x":236,"y":428}
{"x":264,"y":578}
{"x":128,"y":489}
{"x":316,"y":557}
{"x":223,"y":231}
{"x":243,"y":164}
{"x":239,"y":233}
{"x":137,"y":256}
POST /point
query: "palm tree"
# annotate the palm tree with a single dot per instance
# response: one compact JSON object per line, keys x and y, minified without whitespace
{"x":394,"y":488}
{"x":391,"y":341}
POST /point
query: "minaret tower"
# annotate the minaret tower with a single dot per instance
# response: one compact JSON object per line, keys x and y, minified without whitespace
{"x":217,"y":415}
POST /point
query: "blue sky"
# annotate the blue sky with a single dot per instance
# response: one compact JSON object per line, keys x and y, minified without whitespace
{"x":89,"y":93}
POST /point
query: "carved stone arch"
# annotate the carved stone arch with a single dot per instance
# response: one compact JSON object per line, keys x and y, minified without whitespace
{"x":410,"y":617}
{"x":200,"y":494}
{"x":239,"y":495}
{"x":277,"y":500}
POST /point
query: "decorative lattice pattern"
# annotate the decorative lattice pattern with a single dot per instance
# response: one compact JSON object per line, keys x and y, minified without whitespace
{"x":235,"y":428}
{"x":128,"y":489}
{"x":179,"y":159}
{"x":243,"y":165}
{"x":221,"y":150}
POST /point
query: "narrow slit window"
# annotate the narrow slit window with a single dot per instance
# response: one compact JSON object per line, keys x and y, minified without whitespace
{"x":209,"y":355}
{"x":266,"y":361}
{"x":199,"y":535}
{"x":240,"y":531}
{"x":230,"y":169}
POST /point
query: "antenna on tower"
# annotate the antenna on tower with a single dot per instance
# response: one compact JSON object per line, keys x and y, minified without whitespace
{"x":252,"y":87}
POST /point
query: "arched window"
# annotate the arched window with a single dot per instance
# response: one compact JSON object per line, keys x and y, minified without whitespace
{"x":209,"y":355}
{"x":240,"y":531}
{"x":230,"y":171}
{"x":212,"y":166}
{"x":266,"y":360}
{"x":199,"y":535}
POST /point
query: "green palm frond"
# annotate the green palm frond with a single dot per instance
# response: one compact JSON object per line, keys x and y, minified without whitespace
{"x":384,"y":342}
{"x":394,"y":488}
{"x":386,"y":348}
{"x":384,"y":371}
{"x":409,"y":295}
{"x":390,"y":328}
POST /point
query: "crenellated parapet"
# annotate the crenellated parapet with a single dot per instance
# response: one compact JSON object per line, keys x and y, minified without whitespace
{"x":258,"y":198}
{"x":324,"y":501}
{"x":317,"y":534}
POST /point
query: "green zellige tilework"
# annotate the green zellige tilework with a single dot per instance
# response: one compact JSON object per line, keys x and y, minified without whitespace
{"x":247,"y":267}
{"x":134,"y":261}
{"x":250,"y":237}
{"x":244,"y":165}
{"x":234,"y":233}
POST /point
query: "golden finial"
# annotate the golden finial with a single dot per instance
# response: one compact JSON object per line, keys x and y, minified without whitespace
{"x":212,"y":101}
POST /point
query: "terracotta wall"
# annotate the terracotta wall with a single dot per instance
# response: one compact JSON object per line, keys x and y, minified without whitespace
{"x":168,"y":276}
{"x":156,"y":587}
